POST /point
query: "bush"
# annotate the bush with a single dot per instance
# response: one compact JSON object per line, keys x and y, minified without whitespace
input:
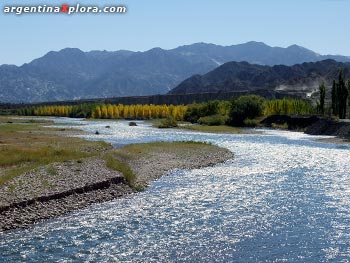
{"x":283,"y":126}
{"x":245,"y":107}
{"x":213,"y":120}
{"x":250,"y":122}
{"x":168,"y":123}
{"x":198,"y":110}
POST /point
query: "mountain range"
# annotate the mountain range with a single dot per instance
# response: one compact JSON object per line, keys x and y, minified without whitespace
{"x":71,"y":74}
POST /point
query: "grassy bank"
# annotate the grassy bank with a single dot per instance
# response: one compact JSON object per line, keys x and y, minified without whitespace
{"x":214,"y":129}
{"x":149,"y":161}
{"x":26,"y":145}
{"x":144,"y":162}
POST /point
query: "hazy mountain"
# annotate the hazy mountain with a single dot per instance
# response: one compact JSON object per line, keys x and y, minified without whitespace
{"x":74,"y":74}
{"x":238,"y":76}
{"x":257,"y":53}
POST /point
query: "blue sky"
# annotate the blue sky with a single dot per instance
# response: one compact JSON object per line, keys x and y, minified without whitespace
{"x":320,"y":25}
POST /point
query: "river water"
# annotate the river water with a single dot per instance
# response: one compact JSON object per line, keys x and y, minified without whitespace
{"x":283,"y":198}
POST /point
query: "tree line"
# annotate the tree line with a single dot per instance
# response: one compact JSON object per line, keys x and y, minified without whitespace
{"x":236,"y":112}
{"x":108,"y":111}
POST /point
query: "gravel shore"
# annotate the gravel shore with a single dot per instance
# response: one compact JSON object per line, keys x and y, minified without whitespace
{"x":59,"y":188}
{"x":159,"y":161}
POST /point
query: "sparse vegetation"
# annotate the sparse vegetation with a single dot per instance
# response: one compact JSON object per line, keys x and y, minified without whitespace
{"x":121,"y":166}
{"x":51,"y":170}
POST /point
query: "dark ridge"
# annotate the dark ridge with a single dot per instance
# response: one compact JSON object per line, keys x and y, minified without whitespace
{"x":234,"y":76}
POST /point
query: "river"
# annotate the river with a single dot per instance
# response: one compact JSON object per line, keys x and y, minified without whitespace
{"x":283,"y":198}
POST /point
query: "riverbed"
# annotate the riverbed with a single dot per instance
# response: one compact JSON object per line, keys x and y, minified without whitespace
{"x":283,"y":198}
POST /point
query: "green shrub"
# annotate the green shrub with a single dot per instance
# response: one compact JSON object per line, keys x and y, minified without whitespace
{"x":250,"y":122}
{"x":213,"y":120}
{"x":168,"y":123}
{"x":198,"y":110}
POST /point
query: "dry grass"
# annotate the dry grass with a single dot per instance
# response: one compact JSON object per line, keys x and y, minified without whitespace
{"x":25,"y":145}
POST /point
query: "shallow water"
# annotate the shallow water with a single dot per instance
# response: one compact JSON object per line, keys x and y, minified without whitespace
{"x":283,"y":198}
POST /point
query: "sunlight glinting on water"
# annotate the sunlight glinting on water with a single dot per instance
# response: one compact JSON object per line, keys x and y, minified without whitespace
{"x":283,"y":198}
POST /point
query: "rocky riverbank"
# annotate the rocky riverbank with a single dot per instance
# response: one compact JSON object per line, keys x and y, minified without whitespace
{"x":313,"y":125}
{"x":341,"y":129}
{"x":58,"y":188}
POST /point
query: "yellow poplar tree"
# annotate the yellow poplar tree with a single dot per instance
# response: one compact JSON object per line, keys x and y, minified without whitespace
{"x":116,"y":112}
{"x":97,"y":112}
{"x":132,"y":111}
{"x":126,"y":111}
{"x":110,"y":111}
{"x":104,"y":113}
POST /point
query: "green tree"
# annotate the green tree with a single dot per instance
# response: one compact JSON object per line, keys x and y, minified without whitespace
{"x":322,"y":89}
{"x":343,"y":94}
{"x":245,"y":107}
{"x":335,"y":108}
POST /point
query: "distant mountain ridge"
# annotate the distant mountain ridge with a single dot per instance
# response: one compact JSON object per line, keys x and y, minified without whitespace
{"x":302,"y":78}
{"x":258,"y":53}
{"x":73,"y":74}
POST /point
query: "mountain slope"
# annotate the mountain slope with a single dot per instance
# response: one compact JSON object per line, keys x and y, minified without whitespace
{"x":73,"y":74}
{"x":238,"y":76}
